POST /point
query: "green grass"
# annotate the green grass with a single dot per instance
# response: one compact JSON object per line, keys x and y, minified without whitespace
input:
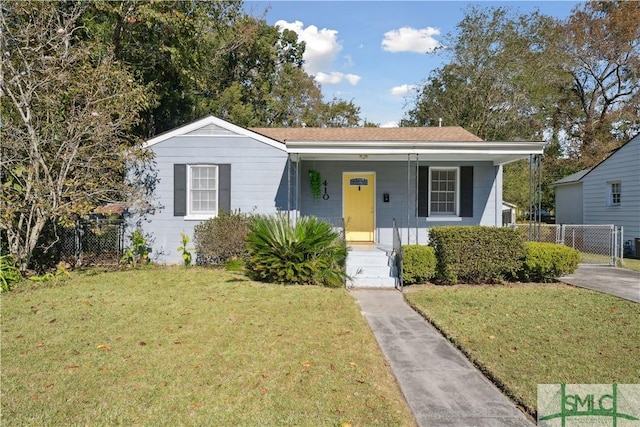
{"x":627,"y":263}
{"x":175,"y":346}
{"x":631,"y":264}
{"x":523,"y":335}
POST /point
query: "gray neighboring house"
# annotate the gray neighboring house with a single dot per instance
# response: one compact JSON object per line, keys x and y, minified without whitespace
{"x":609,"y":193}
{"x":421,"y":177}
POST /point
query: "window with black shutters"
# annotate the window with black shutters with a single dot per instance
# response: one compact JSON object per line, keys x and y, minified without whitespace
{"x":445,"y":191}
{"x":200,"y":191}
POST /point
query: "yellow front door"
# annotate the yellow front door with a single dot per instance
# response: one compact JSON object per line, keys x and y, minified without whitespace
{"x":358,"y":206}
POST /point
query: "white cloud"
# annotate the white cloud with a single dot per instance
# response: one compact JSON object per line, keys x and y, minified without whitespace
{"x":322,"y":46}
{"x":408,"y":39}
{"x":354,"y":79}
{"x":336,"y":77}
{"x":348,"y":61}
{"x":403,"y":90}
{"x":391,"y":124}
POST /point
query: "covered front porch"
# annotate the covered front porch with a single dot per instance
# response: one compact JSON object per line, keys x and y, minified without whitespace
{"x":364,"y":178}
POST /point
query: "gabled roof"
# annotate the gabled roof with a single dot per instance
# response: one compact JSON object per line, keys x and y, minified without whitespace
{"x":636,"y":137}
{"x":449,"y":143}
{"x":571,"y":179}
{"x":577,"y":177}
{"x":422,"y":134}
{"x":211,"y":125}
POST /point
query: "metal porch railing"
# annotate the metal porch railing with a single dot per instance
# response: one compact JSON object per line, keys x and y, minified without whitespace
{"x":397,"y":255}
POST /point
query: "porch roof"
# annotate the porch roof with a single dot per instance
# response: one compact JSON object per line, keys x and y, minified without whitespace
{"x":450,"y":143}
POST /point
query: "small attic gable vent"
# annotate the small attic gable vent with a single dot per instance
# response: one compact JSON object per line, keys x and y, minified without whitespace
{"x":211,"y":130}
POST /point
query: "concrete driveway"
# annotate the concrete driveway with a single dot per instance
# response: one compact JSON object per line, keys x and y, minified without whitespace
{"x":610,"y":280}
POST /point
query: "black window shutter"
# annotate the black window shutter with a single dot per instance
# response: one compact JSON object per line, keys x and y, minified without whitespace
{"x":179,"y":190}
{"x":466,"y":191}
{"x":423,"y":191}
{"x":224,"y":188}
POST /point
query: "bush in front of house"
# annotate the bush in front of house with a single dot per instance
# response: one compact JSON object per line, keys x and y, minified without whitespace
{"x":221,"y":239}
{"x":545,"y":262}
{"x":476,"y":254}
{"x":418,"y":264}
{"x":308,"y":252}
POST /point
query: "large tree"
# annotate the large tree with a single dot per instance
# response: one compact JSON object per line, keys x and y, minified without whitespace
{"x":500,"y":80}
{"x":201,"y":58}
{"x":602,"y":43}
{"x":170,"y":46}
{"x":66,"y":116}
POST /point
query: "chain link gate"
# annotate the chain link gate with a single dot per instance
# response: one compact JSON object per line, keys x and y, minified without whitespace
{"x":598,"y":244}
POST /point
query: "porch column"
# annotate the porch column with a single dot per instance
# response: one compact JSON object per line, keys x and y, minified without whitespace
{"x":298,"y":184}
{"x":289,"y":186}
{"x":408,"y":195}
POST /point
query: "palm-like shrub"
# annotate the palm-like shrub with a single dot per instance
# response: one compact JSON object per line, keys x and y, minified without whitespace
{"x":308,"y":252}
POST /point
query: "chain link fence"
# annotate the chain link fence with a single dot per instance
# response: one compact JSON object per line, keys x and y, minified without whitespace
{"x":598,"y":244}
{"x":92,"y":243}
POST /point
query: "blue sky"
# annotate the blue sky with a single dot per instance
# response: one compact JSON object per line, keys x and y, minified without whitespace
{"x":374,"y":52}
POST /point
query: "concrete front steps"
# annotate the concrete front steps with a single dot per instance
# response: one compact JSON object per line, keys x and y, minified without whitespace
{"x":370,"y":266}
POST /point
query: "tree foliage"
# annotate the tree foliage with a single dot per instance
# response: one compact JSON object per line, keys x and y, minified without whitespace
{"x":500,"y":78}
{"x":67,"y":113}
{"x":201,"y":58}
{"x":602,"y":43}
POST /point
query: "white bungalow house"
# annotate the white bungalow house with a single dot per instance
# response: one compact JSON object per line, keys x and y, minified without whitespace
{"x":609,"y":193}
{"x":421,"y":177}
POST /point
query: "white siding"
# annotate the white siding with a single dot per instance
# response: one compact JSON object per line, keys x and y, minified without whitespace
{"x":622,"y":166}
{"x":569,"y":204}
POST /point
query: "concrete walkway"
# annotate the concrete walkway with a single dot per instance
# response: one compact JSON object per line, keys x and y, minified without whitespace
{"x":610,"y":280}
{"x":441,"y":386}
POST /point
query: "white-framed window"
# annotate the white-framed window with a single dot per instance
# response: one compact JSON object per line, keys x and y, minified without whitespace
{"x":615,"y":192}
{"x":444,"y":191}
{"x":202,"y":190}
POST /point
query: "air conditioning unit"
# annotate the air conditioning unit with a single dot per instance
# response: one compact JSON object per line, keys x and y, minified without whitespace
{"x":637,"y":247}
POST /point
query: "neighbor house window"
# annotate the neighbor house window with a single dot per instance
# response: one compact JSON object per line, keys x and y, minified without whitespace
{"x":203,"y":190}
{"x":443,"y":191}
{"x":615,"y":190}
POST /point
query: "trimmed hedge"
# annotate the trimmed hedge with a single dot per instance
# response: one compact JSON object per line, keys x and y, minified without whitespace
{"x":476,"y":254}
{"x":418,"y":264}
{"x":545,"y":262}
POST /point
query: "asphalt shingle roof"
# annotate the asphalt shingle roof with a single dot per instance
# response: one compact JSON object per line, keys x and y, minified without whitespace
{"x":422,"y":134}
{"x":575,"y":177}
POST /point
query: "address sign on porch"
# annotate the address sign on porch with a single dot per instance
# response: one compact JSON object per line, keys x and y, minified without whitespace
{"x":358,"y":182}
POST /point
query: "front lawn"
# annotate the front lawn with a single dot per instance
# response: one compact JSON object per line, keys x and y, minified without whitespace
{"x":175,"y":346}
{"x":523,"y":335}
